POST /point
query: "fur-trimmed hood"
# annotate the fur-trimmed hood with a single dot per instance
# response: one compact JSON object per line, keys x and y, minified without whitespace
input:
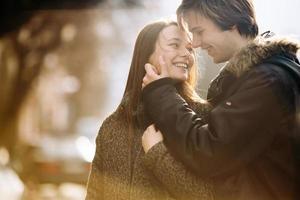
{"x":258,"y":51}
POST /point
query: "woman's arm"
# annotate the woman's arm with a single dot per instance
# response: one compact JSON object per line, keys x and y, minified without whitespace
{"x":172,"y":174}
{"x":180,"y":183}
{"x":94,"y":185}
{"x":178,"y":180}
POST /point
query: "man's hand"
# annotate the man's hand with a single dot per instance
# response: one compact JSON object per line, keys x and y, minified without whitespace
{"x":152,"y":73}
{"x":150,"y":138}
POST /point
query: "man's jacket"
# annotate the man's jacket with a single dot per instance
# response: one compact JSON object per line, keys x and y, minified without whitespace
{"x":246,"y":146}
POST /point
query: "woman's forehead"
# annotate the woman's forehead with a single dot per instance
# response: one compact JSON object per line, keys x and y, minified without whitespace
{"x":172,"y":32}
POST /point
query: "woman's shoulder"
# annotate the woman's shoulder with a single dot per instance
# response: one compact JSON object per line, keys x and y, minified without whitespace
{"x":115,"y":117}
{"x":114,"y":123}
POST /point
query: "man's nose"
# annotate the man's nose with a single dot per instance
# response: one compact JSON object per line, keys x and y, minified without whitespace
{"x":196,"y":41}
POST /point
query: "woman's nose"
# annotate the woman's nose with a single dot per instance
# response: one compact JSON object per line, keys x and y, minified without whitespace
{"x":185,"y":52}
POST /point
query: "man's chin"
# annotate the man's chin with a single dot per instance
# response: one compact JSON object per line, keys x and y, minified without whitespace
{"x":219,"y":60}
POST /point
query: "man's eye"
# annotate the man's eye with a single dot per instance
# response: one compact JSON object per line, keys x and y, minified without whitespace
{"x":199,"y":32}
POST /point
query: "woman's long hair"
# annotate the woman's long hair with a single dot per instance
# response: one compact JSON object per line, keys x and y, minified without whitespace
{"x":144,"y":47}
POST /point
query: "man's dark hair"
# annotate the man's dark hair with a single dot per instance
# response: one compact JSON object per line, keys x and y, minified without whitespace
{"x":224,"y":13}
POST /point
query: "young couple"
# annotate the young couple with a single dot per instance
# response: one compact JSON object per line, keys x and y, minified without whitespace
{"x":164,"y":142}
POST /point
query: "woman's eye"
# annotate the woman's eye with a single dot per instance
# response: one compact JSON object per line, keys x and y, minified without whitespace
{"x":190,"y":49}
{"x":175,"y":45}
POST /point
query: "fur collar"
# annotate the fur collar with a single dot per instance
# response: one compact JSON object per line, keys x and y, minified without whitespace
{"x":257,"y":51}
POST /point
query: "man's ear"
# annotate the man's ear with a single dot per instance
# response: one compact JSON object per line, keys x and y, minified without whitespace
{"x":233,"y":28}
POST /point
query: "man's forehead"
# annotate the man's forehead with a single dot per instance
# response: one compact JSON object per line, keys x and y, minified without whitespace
{"x":192,"y":20}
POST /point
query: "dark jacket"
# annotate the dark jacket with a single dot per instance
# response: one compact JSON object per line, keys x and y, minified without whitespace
{"x":122,"y":171}
{"x":245,"y":146}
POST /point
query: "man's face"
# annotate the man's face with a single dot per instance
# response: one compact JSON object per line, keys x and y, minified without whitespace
{"x":219,"y":44}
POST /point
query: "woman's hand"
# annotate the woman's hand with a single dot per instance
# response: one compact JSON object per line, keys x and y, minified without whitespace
{"x":151,"y":137}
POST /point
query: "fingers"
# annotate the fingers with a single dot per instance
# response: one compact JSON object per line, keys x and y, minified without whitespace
{"x":151,"y":70}
{"x":159,"y":133}
{"x":151,"y":75}
{"x":164,"y":68}
{"x":151,"y":128}
{"x":150,"y":138}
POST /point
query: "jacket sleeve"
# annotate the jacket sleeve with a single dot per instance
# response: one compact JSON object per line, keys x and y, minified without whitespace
{"x":236,"y":129}
{"x":180,"y":182}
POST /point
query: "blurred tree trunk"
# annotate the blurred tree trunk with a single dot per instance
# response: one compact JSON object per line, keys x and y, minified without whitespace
{"x":21,"y":58}
{"x":16,"y":79}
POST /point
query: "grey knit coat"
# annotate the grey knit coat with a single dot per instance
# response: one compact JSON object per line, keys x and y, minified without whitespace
{"x":122,"y":171}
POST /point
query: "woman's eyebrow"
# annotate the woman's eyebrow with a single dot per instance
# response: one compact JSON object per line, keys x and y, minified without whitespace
{"x":174,"y":39}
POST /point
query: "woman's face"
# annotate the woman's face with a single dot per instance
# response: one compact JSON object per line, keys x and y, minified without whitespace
{"x":175,"y":48}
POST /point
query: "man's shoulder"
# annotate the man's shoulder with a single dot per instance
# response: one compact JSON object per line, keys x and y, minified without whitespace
{"x":280,"y":68}
{"x":259,"y":51}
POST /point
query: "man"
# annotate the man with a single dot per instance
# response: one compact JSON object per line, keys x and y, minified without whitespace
{"x":247,"y":145}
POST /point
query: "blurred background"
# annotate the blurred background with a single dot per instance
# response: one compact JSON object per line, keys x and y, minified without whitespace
{"x":63,"y":69}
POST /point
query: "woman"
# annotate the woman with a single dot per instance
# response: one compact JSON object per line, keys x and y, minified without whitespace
{"x":120,"y":169}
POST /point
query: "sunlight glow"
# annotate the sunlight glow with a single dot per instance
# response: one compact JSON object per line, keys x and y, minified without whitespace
{"x":85,"y":148}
